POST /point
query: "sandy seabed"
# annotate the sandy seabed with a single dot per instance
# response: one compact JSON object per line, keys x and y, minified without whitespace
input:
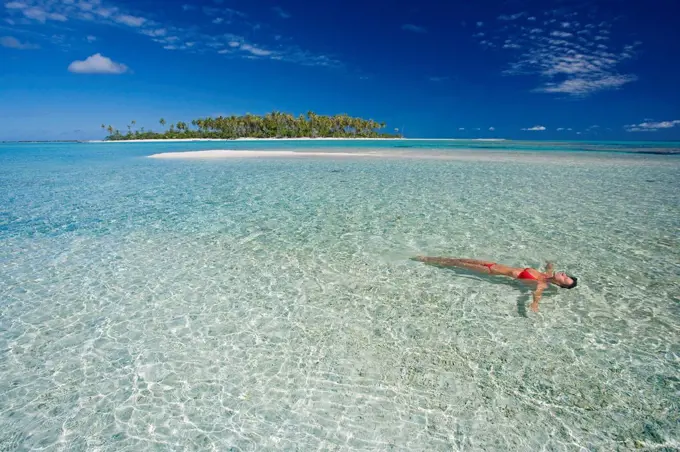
{"x":221,"y":154}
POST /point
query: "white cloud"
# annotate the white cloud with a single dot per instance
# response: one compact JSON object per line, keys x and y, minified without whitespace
{"x":132,"y":21}
{"x":438,"y":79}
{"x":569,"y":63}
{"x":97,"y":64}
{"x":13,"y":43}
{"x":532,"y":18}
{"x":561,"y":34}
{"x":535,"y":129}
{"x":232,"y":12}
{"x":281,"y":12}
{"x":91,"y":38}
{"x":461,"y":128}
{"x":584,"y":86}
{"x":170,"y":37}
{"x":218,"y":20}
{"x":480,"y":24}
{"x":492,"y":128}
{"x":511,"y":17}
{"x":106,"y":12}
{"x":16,"y":5}
{"x":413,"y":28}
{"x":478,"y":35}
{"x":220,"y":12}
{"x":154,"y":32}
{"x":651,"y":126}
{"x":36,"y":13}
{"x":559,"y":129}
{"x":255,"y":50}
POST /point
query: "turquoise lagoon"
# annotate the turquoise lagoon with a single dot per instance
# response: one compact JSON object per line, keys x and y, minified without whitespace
{"x":270,"y":304}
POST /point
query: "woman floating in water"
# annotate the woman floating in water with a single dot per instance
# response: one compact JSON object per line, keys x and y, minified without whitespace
{"x":541,"y":279}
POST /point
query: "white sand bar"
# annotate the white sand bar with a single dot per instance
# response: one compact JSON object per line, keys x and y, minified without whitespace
{"x":463,"y":154}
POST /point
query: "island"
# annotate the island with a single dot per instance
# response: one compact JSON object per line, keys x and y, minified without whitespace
{"x":271,"y":125}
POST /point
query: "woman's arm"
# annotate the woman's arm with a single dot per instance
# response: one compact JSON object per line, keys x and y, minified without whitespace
{"x":549,"y":269}
{"x":537,"y":296}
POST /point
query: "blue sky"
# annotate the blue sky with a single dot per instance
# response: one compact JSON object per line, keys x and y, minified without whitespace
{"x":512,"y":68}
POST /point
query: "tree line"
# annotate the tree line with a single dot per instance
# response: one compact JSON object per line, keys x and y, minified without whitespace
{"x":271,"y":125}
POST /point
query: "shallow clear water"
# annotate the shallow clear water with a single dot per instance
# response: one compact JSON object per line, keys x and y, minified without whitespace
{"x":270,"y":304}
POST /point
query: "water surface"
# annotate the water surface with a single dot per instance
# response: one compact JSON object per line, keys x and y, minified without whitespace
{"x":270,"y":304}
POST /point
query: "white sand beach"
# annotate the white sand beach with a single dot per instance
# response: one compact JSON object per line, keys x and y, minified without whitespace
{"x":177,"y":140}
{"x":460,"y":155}
{"x":463,"y":154}
{"x":171,"y":140}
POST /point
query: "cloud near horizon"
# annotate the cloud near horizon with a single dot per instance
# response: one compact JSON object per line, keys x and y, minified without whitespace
{"x":97,"y":64}
{"x":535,"y":129}
{"x":651,"y":126}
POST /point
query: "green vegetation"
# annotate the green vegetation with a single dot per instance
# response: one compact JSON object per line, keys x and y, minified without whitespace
{"x":271,"y":125}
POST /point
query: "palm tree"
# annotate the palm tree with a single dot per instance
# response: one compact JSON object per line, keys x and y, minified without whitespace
{"x":274,"y":124}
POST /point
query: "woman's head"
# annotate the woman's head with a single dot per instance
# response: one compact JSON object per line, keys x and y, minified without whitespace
{"x":565,"y":281}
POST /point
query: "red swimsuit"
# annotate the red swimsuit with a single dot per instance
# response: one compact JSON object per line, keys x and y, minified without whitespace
{"x":525,"y":274}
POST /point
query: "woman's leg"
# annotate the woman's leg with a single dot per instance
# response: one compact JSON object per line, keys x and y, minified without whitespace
{"x":489,"y":267}
{"x":476,"y":262}
{"x":469,"y":264}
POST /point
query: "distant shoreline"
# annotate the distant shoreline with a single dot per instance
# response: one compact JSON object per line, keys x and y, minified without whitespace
{"x":162,"y":140}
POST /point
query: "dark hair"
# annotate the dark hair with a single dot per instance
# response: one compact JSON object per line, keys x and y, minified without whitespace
{"x":572,"y":285}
